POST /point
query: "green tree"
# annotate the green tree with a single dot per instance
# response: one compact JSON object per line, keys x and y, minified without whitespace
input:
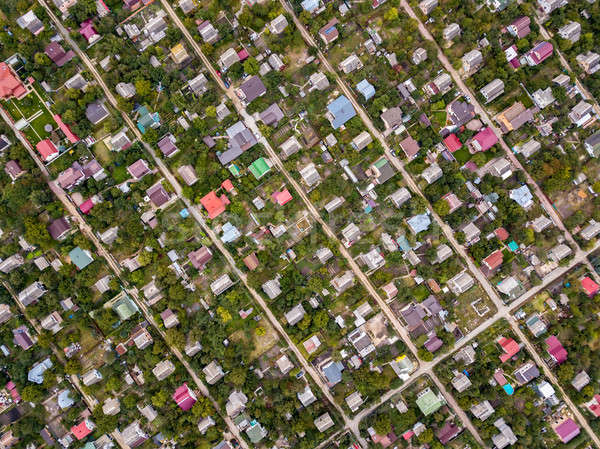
{"x":32,"y":393}
{"x":251,"y":66}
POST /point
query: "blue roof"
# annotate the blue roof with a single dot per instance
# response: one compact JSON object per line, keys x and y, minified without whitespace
{"x":522,"y":196}
{"x":36,"y":374}
{"x":333,"y":372}
{"x":341,"y":110}
{"x":366,"y":89}
{"x":513,"y":246}
{"x":310,"y":5}
{"x":230,"y":233}
{"x":419,"y":223}
{"x":64,"y":400}
{"x":80,"y":258}
{"x":184,"y":213}
{"x":403,"y":243}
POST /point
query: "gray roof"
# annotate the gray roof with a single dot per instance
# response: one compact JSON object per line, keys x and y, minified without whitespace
{"x":272,"y":115}
{"x":96,"y":112}
{"x":252,"y":88}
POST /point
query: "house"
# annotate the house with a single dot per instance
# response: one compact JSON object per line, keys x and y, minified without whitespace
{"x":306,"y":396}
{"x":46,"y":148}
{"x":83,"y":429}
{"x":492,"y":262}
{"x":556,"y":350}
{"x":543,"y":97}
{"x":400,"y":196}
{"x":570,"y":31}
{"x":472,"y":60}
{"x":411,"y":148}
{"x":163,"y":369}
{"x":141,"y":337}
{"x":31,"y":22}
{"x":427,"y":6}
{"x":91,"y":377}
{"x":350,"y":234}
{"x":591,"y":230}
{"x":228,"y":58}
{"x":511,"y":287}
{"x":58,"y":228}
{"x":158,"y":195}
{"x":111,"y":407}
{"x":133,"y":435}
{"x":188,"y":174}
{"x":460,"y":112}
{"x":22,"y":338}
{"x":323,"y":422}
{"x":256,"y":432}
{"x":179,"y":54}
{"x":419,"y":223}
{"x":89,"y":33}
{"x":319,"y":81}
{"x":96,"y":112}
{"x":343,"y":282}
{"x":419,"y":56}
{"x":12,"y":262}
{"x":323,"y":255}
{"x":284,"y":364}
{"x":536,"y":326}
{"x":138,"y":169}
{"x":289,"y":147}
{"x":440,"y":85}
{"x":210,"y":34}
{"x":522,"y":196}
{"x":272,"y":288}
{"x":451,"y":31}
{"x":120,"y":141}
{"x":132,"y":5}
{"x":432,"y":173}
{"x":582,"y":113}
{"x":251,"y":89}
{"x":350,"y":64}
{"x":520,"y":27}
{"x":492,"y":90}
{"x":540,"y":223}
{"x":567,"y":430}
{"x":461,"y":382}
{"x":57,"y":54}
{"x":169,"y":318}
{"x":184,"y":397}
{"x":509,"y":347}
{"x":13,"y":170}
{"x":354,"y":401}
{"x":483,"y":140}
{"x":214,"y":204}
{"x":146,"y":119}
{"x":483,"y":410}
{"x":361,"y":140}
{"x":272,"y":115}
{"x":52,"y":322}
{"x":452,"y":143}
{"x":547,"y":6}
{"x":32,"y":293}
{"x":391,"y":118}
{"x":281,"y":197}
{"x":366,"y":89}
{"x":329,"y":33}
{"x":200,"y":257}
{"x":539,"y":53}
{"x":339,"y":111}
{"x":448,"y":432}
{"x":278,"y":24}
{"x":526,"y":373}
{"x":295,"y":315}
{"x":5,"y":313}
{"x":559,"y":252}
{"x":428,"y":402}
{"x":221,"y":284}
{"x":167,"y":145}
{"x":580,"y":380}
{"x":529,"y":148}
{"x":514,"y":117}
{"x":310,"y":175}
{"x":506,"y":437}
{"x":589,"y":62}
{"x":461,"y":283}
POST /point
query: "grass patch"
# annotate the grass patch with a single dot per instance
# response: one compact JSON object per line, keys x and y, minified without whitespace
{"x":462,"y":156}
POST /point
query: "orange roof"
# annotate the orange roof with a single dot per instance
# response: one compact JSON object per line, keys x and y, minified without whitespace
{"x":501,"y":233}
{"x":46,"y":149}
{"x":213,"y":204}
{"x":83,"y":429}
{"x":10,"y":84}
{"x":494,"y":260}
{"x":65,"y":129}
{"x":510,"y":348}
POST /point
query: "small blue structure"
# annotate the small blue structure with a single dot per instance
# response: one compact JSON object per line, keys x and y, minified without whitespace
{"x":366,"y":89}
{"x":508,"y":388}
{"x":419,"y":223}
{"x":513,"y":246}
{"x":184,"y":213}
{"x":340,"y":111}
{"x":333,"y":373}
{"x":64,"y":399}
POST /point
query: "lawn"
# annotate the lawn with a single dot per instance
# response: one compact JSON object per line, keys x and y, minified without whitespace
{"x":27,"y":107}
{"x":462,"y":155}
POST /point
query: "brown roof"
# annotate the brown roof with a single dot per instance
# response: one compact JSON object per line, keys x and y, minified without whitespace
{"x":251,"y":261}
{"x":158,"y":195}
{"x":410,"y":146}
{"x":13,"y":169}
{"x":200,"y":257}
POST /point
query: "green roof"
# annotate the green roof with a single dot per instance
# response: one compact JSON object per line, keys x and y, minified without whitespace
{"x":255,"y":432}
{"x":259,"y":168}
{"x":80,"y":258}
{"x":381,"y":162}
{"x":428,"y":402}
{"x":234,"y":170}
{"x":125,"y":308}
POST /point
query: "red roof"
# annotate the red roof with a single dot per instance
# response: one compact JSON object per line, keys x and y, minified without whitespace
{"x":510,"y":348}
{"x":243,"y":54}
{"x":541,"y":51}
{"x":452,"y":143}
{"x":86,"y":206}
{"x":485,"y":139}
{"x":83,"y":429}
{"x":87,"y":29}
{"x":590,"y":287}
{"x":213,"y":205}
{"x":594,"y":405}
{"x":501,"y":233}
{"x":65,"y":129}
{"x":227,"y":185}
{"x":494,"y":260}
{"x":46,"y":148}
{"x":184,"y":397}
{"x":282,"y":197}
{"x":10,"y":84}
{"x":556,"y":349}
{"x":408,"y":435}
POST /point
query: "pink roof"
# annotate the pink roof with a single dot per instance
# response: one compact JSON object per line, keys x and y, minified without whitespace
{"x":594,"y":405}
{"x":213,"y":204}
{"x":556,"y":349}
{"x":510,"y":348}
{"x":499,"y":377}
{"x":86,"y":206}
{"x":10,"y":385}
{"x":87,"y":29}
{"x":282,"y":197}
{"x":65,"y":129}
{"x":567,"y":430}
{"x":590,"y":287}
{"x":46,"y":149}
{"x":501,"y":233}
{"x":243,"y":54}
{"x":408,"y":435}
{"x":184,"y":397}
{"x":541,"y":51}
{"x":452,"y":143}
{"x":82,"y":429}
{"x":485,"y":139}
{"x":227,"y":185}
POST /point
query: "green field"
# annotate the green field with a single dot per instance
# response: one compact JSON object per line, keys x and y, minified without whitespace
{"x":27,"y":107}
